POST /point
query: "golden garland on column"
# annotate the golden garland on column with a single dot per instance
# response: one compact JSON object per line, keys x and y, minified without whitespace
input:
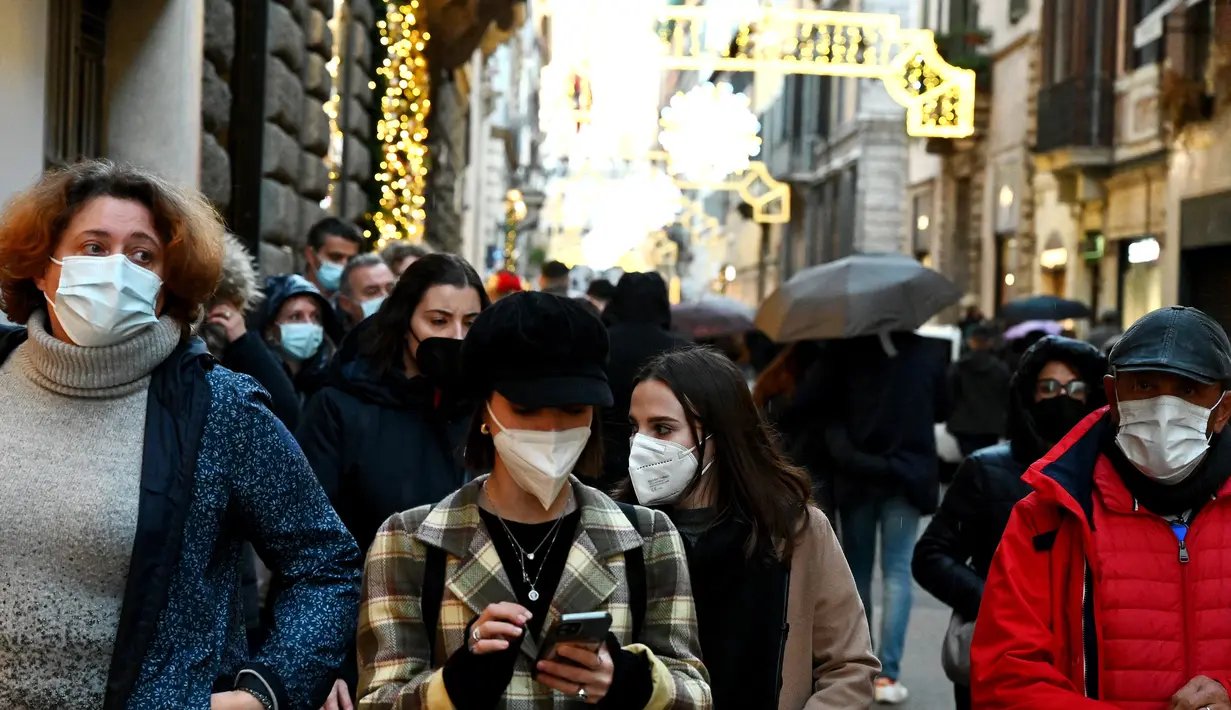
{"x":402,"y":129}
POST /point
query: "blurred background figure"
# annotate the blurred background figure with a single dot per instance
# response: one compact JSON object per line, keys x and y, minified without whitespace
{"x":399,"y":255}
{"x":589,"y":306}
{"x":300,"y":326}
{"x":881,"y":402}
{"x":366,"y":282}
{"x":331,"y":244}
{"x":503,"y":283}
{"x":979,"y":392}
{"x":553,"y":278}
{"x":1107,"y":328}
{"x":600,"y":292}
{"x":1059,"y":382}
{"x":225,"y":332}
{"x":638,"y":322}
{"x":784,"y":391}
{"x":972,"y":315}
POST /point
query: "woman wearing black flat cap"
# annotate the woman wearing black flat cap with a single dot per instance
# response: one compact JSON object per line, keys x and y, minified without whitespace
{"x":457,"y":597}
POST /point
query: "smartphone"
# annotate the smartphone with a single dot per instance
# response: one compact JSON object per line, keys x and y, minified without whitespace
{"x":587,"y":630}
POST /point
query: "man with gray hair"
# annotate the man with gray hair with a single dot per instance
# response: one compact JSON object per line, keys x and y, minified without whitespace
{"x":366,"y":282}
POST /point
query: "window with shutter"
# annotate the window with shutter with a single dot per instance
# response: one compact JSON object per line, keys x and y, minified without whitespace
{"x":76,"y":46}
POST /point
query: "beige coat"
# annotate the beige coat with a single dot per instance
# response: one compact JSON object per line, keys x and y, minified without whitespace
{"x":828,"y":663}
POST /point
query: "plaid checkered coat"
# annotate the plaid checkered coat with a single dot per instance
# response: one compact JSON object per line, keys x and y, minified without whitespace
{"x":394,"y":671}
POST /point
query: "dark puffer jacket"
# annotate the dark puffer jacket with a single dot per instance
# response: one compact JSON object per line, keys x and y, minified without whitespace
{"x":954,"y":554}
{"x":381,"y":443}
{"x":638,"y":323}
{"x":979,"y":394}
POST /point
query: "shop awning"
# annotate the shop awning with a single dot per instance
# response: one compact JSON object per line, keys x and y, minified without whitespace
{"x":1150,"y":28}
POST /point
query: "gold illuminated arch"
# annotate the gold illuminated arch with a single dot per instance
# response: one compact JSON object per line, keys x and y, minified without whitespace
{"x":939,"y":98}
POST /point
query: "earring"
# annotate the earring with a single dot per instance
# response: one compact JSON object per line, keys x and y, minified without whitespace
{"x":484,"y":430}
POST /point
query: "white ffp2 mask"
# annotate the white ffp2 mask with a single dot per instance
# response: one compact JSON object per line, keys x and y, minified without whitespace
{"x":660,"y":470}
{"x":539,"y":461}
{"x":1165,"y":437}
{"x":104,"y":300}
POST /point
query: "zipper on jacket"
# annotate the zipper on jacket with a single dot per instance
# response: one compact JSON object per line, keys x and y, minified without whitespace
{"x":786,"y":630}
{"x":1181,"y":529}
{"x":1089,"y":637}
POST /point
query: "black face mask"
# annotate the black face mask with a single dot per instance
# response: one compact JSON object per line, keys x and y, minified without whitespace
{"x":440,"y":360}
{"x":1053,"y":418}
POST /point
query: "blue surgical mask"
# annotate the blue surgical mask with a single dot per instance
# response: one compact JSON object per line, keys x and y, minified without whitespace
{"x":329,"y":275}
{"x":300,"y":341}
{"x":372,"y":306}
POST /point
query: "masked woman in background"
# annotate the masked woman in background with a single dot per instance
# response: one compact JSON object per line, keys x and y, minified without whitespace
{"x":1058,"y":382}
{"x":385,"y":434}
{"x":133,"y":469}
{"x":459,"y":596}
{"x":300,"y":326}
{"x":781,"y":622}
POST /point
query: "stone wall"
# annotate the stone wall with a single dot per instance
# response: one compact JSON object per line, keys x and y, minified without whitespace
{"x":357,"y":112}
{"x":447,"y":145}
{"x":216,"y":102}
{"x":294,"y":177}
{"x":296,"y":134}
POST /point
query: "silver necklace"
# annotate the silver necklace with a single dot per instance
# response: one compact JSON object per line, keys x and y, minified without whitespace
{"x":522,"y":555}
{"x":534,"y":592}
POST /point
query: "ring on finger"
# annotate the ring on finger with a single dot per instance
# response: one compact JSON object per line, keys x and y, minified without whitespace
{"x":474,"y":634}
{"x":582,"y":695}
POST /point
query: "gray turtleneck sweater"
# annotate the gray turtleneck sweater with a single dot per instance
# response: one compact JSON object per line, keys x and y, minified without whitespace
{"x":72,"y":431}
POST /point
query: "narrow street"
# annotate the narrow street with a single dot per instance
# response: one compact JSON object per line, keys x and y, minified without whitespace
{"x":921,"y":672}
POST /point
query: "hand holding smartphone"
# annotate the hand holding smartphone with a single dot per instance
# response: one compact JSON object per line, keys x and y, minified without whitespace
{"x":587,"y":630}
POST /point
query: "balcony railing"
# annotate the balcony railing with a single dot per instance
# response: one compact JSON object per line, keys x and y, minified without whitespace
{"x":1077,"y":113}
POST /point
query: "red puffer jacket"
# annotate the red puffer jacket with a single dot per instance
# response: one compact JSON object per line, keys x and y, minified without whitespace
{"x":1114,"y":614}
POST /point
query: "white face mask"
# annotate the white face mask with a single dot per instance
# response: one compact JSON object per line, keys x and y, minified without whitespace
{"x":539,"y":461}
{"x":1166,"y":437}
{"x":661,"y":470}
{"x":104,"y":300}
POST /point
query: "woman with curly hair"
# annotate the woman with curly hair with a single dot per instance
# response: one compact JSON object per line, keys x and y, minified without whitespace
{"x":133,"y":470}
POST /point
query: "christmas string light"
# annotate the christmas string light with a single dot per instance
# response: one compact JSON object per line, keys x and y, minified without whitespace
{"x":402,"y":128}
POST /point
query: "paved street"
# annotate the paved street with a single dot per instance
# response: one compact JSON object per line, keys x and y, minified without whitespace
{"x":929,"y":688}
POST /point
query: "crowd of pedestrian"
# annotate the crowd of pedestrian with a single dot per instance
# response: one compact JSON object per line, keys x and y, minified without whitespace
{"x":384,"y":483}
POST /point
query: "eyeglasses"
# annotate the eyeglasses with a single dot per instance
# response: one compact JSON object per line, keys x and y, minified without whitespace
{"x":1055,"y":388}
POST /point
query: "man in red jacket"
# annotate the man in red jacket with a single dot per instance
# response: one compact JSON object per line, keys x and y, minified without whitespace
{"x":1112,"y":585}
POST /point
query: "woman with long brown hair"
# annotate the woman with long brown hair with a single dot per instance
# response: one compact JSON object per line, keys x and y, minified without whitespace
{"x":780,"y":620}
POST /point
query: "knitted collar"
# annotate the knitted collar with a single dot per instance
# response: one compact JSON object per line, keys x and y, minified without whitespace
{"x":111,"y":371}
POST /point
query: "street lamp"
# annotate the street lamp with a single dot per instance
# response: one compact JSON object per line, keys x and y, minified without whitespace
{"x":514,"y":213}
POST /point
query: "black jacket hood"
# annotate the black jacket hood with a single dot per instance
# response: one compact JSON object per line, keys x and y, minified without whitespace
{"x":640,"y":298}
{"x":352,"y":372}
{"x":278,"y":289}
{"x":1090,"y":365}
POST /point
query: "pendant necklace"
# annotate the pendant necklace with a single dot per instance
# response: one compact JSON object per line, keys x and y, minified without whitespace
{"x":522,"y":555}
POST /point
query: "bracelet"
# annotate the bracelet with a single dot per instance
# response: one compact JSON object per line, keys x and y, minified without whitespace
{"x":267,"y":703}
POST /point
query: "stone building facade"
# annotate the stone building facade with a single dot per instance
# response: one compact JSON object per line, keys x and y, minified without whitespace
{"x":277,"y":194}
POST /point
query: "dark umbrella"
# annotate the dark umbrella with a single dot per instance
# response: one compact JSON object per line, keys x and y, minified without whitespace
{"x":1043,"y":308}
{"x":712,"y":317}
{"x":865,"y":294}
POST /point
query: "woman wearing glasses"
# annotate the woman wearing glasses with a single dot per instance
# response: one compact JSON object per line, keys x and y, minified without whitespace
{"x":1058,"y":382}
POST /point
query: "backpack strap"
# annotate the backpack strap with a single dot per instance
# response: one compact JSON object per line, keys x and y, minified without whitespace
{"x":431,"y":595}
{"x":634,"y":571}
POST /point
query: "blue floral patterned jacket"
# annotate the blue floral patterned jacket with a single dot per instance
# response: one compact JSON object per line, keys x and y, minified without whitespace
{"x":217,"y":469}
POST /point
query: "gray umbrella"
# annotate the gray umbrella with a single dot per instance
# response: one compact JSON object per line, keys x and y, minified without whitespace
{"x":865,"y":294}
